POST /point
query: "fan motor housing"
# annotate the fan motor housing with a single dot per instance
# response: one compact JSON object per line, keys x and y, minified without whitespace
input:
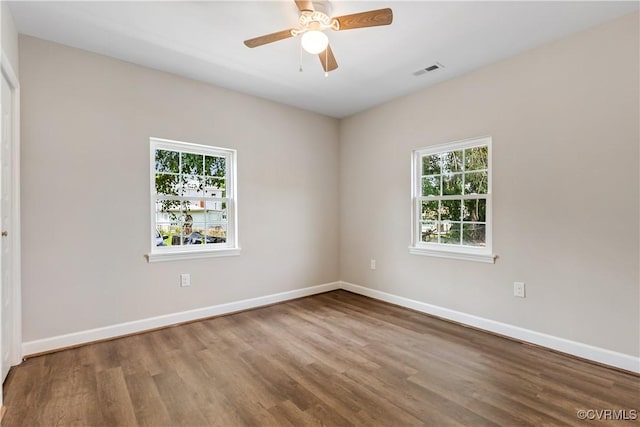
{"x":318,"y":19}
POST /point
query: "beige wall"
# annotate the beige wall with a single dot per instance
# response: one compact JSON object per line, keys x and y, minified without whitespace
{"x":565,"y":125}
{"x":9,"y":35}
{"x":86,"y":123}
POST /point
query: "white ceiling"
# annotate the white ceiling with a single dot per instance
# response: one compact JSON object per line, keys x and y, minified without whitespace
{"x":203,"y":41}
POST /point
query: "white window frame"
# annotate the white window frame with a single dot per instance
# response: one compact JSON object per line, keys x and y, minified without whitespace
{"x":173,"y":253}
{"x":418,"y":247}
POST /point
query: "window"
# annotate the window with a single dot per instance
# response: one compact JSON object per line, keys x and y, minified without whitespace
{"x":451,"y":192}
{"x":193,"y":201}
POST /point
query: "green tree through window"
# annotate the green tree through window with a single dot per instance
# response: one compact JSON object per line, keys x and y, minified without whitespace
{"x":452,"y":195}
{"x":192,"y":196}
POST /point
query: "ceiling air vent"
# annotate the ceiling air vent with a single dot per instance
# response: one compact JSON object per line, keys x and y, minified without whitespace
{"x":429,"y":69}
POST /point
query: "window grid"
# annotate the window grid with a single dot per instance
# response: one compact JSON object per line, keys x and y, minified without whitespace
{"x":193,"y":198}
{"x":461,"y":172}
{"x":198,"y":199}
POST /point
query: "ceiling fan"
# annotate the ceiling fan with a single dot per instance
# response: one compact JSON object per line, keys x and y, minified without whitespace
{"x":314,"y":20}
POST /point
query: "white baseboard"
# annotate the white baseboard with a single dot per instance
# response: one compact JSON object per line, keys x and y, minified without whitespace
{"x":585,"y":351}
{"x":113,"y":331}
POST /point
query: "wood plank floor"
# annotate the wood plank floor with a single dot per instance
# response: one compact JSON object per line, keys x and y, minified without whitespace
{"x":334,"y":359}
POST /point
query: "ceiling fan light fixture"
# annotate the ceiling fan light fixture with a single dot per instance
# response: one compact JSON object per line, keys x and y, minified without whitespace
{"x":315,"y":17}
{"x":314,"y":41}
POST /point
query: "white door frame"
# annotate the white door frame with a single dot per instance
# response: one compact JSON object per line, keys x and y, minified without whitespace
{"x":14,"y":232}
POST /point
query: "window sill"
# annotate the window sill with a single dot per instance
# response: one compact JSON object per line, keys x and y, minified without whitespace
{"x":186,"y":255}
{"x":465,"y":256}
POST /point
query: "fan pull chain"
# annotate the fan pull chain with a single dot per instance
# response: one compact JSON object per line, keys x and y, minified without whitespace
{"x":300,"y":69}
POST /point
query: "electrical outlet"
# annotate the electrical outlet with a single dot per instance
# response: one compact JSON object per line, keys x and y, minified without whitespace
{"x":518,"y":289}
{"x":372,"y":265}
{"x":185,"y":280}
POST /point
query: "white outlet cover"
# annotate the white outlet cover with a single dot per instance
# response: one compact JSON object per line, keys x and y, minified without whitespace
{"x":519,"y":289}
{"x":185,"y":280}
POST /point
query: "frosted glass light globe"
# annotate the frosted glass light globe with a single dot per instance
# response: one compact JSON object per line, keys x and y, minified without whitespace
{"x":314,"y":41}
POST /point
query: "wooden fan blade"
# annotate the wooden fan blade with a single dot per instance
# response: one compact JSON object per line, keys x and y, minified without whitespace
{"x":372,"y":18}
{"x":327,"y":59}
{"x":304,"y":5}
{"x":269,"y":38}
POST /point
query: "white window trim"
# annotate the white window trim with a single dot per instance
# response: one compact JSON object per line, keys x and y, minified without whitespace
{"x":418,"y":247}
{"x":178,"y":255}
{"x":195,"y":252}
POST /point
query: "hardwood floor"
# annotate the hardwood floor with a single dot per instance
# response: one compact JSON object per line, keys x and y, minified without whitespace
{"x":335,"y":359}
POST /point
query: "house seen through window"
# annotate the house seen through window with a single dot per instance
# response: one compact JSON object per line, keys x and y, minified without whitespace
{"x":452,"y":200}
{"x":193,"y":199}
